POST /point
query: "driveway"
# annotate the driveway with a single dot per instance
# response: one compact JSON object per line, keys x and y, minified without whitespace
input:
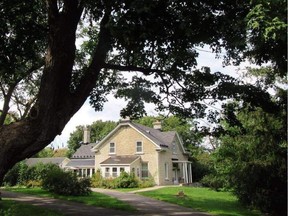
{"x":144,"y":205}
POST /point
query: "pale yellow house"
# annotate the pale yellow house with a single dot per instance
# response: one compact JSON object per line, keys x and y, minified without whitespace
{"x":146,"y":152}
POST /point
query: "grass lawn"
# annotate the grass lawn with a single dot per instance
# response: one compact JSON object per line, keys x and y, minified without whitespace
{"x":202,"y":199}
{"x":94,"y":199}
{"x":10,"y":207}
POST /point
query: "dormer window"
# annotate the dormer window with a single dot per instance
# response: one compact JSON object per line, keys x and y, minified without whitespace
{"x":112,"y":148}
{"x":139,"y":147}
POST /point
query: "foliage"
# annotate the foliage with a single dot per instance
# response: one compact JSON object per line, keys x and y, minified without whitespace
{"x":202,"y":199}
{"x":21,"y":174}
{"x":252,"y":157}
{"x":66,"y":183}
{"x":125,"y":180}
{"x":97,"y":180}
{"x":46,"y":152}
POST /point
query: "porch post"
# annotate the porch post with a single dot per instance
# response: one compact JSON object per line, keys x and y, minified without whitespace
{"x":186,"y":170}
{"x":191,"y":179}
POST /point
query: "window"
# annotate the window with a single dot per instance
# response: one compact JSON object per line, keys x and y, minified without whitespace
{"x":112,"y":148}
{"x":139,"y":147}
{"x":166,"y":170}
{"x":93,"y":171}
{"x":174,"y":148}
{"x":144,"y":170}
{"x":114,"y":172}
{"x":122,"y":169}
{"x":107,"y":172}
{"x":88,"y":172}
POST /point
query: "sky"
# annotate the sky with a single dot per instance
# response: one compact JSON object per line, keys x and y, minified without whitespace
{"x":111,"y":111}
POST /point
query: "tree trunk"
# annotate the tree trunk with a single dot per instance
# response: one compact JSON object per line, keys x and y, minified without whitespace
{"x":56,"y":104}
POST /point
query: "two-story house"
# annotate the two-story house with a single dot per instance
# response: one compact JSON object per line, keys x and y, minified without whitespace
{"x":146,"y":152}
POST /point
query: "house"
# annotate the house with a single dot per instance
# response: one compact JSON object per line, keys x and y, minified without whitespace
{"x":146,"y":152}
{"x":59,"y":161}
{"x":82,"y":161}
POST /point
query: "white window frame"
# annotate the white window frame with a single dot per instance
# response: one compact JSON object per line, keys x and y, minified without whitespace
{"x":166,"y":170}
{"x":107,"y":172}
{"x":114,"y":148}
{"x":114,"y":173}
{"x":146,"y":170}
{"x":139,"y":147}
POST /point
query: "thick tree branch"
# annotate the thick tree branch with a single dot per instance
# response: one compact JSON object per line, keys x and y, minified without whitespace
{"x":146,"y":71}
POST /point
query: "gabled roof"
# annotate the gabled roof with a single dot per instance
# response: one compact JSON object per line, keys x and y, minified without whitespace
{"x":80,"y":163}
{"x":85,"y":151}
{"x":53,"y":160}
{"x":117,"y":160}
{"x":160,"y":139}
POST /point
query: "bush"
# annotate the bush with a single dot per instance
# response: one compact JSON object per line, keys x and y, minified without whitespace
{"x":34,"y":183}
{"x":214,"y":182}
{"x":66,"y":183}
{"x":147,"y":183}
{"x":126,"y":180}
{"x":97,"y":180}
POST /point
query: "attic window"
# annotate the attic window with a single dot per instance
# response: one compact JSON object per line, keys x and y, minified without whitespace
{"x":139,"y":147}
{"x":174,"y":148}
{"x":112,"y":148}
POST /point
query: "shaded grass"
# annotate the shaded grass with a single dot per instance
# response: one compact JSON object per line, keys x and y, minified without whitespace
{"x":202,"y":199}
{"x":94,"y":199}
{"x":10,"y":207}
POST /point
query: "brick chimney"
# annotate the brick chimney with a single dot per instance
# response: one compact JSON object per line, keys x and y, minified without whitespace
{"x":86,"y":136}
{"x":157,"y":125}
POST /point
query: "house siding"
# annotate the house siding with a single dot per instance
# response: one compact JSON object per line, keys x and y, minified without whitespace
{"x":125,"y":139}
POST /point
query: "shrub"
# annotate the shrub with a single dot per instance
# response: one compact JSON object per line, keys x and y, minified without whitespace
{"x":126,"y":180}
{"x":146,"y":183}
{"x":34,"y":183}
{"x":65,"y":183}
{"x":97,"y":180}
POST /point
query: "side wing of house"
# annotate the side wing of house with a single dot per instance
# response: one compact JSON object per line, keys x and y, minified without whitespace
{"x":127,"y":148}
{"x":174,"y":167}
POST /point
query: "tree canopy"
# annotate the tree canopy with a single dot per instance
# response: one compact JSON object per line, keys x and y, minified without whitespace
{"x":157,"y":39}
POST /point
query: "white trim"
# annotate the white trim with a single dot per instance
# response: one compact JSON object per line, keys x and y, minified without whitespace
{"x":97,"y":146}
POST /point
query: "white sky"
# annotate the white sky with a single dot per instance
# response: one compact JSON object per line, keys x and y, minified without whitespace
{"x":111,"y":111}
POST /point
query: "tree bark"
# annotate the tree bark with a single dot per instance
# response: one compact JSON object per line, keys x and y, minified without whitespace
{"x":56,"y":103}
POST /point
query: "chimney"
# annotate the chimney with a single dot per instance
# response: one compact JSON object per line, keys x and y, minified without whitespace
{"x":157,"y":125}
{"x":125,"y":120}
{"x":86,"y":136}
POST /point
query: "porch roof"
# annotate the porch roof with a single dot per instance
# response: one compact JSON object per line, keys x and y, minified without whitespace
{"x":123,"y":160}
{"x":81,"y":163}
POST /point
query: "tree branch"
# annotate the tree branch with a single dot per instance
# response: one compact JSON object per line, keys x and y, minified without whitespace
{"x":146,"y":71}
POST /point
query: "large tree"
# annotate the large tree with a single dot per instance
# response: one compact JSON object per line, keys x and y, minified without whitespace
{"x":157,"y":38}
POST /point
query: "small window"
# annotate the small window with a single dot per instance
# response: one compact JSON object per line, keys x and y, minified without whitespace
{"x":112,"y":148}
{"x":139,"y":147}
{"x":88,"y":172}
{"x":144,"y":170}
{"x":107,"y":172}
{"x":122,"y":169}
{"x":174,"y":148}
{"x":93,"y":171}
{"x":114,"y":172}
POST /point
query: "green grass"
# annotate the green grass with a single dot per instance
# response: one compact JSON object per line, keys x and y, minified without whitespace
{"x":202,"y":199}
{"x":94,"y":199}
{"x":9,"y":207}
